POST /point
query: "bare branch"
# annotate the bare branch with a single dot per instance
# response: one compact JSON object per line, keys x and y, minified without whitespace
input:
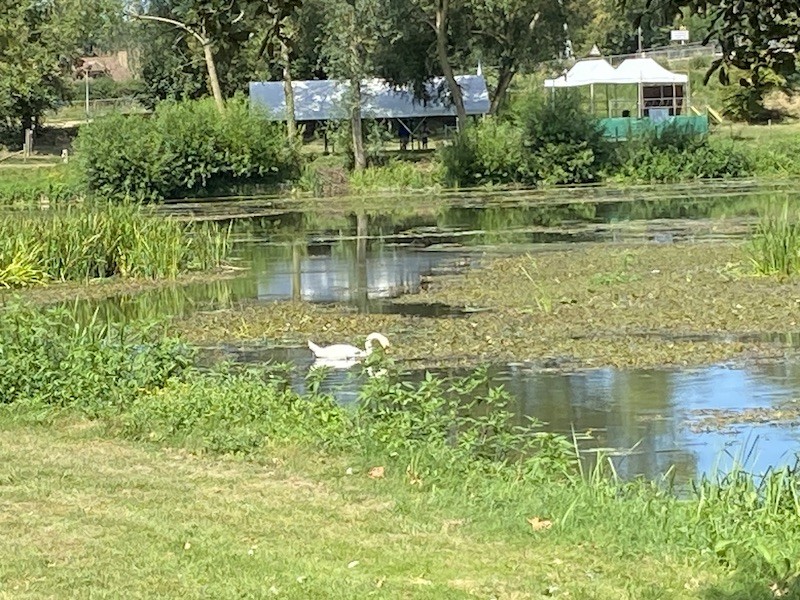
{"x":200,"y":38}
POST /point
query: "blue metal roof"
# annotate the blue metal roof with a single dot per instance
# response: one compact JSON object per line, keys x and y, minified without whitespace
{"x":325,"y":99}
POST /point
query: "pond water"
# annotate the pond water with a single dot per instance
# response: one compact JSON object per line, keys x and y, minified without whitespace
{"x":647,"y":422}
{"x":646,"y":419}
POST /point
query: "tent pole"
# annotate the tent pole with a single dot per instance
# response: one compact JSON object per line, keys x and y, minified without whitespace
{"x":591,"y":96}
{"x":641,"y":99}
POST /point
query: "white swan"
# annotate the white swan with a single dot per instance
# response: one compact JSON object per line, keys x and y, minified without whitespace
{"x":347,"y":352}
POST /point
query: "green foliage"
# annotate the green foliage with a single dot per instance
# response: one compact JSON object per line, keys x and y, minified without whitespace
{"x":46,"y":185}
{"x":565,"y":141}
{"x":235,"y":412}
{"x":50,"y":359}
{"x":545,"y":144}
{"x":102,"y":88}
{"x":490,"y":152}
{"x":463,"y":422}
{"x":184,"y":148}
{"x":398,"y":175}
{"x":674,"y":154}
{"x":41,"y":40}
{"x":81,"y":243}
{"x":775,"y":247}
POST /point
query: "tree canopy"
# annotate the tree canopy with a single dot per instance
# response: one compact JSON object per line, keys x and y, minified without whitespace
{"x":755,"y":35}
{"x":39,"y":44}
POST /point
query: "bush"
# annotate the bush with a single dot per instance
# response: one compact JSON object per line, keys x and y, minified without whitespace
{"x":545,"y":144}
{"x":489,"y":152}
{"x":51,"y":359}
{"x":566,"y":142}
{"x":675,"y":154}
{"x":184,"y":148}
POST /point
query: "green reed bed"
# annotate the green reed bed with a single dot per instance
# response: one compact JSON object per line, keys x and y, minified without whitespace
{"x":449,"y":450}
{"x":775,"y":247}
{"x":87,"y":242}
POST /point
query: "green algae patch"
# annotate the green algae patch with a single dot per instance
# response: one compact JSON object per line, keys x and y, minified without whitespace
{"x":625,"y":306}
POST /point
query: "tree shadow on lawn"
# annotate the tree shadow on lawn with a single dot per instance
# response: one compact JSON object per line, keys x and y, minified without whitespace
{"x":742,"y":587}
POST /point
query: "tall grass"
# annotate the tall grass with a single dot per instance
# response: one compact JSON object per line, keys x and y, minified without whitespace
{"x":398,"y":175}
{"x":446,"y":444}
{"x":775,"y":247}
{"x":38,"y":186}
{"x":80,"y":243}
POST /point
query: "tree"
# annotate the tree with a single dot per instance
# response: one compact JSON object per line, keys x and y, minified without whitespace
{"x":281,"y":21}
{"x":512,"y":33}
{"x":209,"y":22}
{"x":352,"y":35}
{"x":755,"y":35}
{"x":438,"y":16}
{"x":39,"y":44}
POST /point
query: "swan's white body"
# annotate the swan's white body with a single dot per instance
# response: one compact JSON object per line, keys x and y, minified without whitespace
{"x":347,"y":352}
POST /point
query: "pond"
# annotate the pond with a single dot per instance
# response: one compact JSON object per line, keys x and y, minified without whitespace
{"x":649,"y":421}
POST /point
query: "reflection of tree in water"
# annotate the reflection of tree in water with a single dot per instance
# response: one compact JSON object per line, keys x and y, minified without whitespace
{"x":506,"y":225}
{"x":617,"y":408}
{"x":174,"y":300}
{"x":686,"y":208}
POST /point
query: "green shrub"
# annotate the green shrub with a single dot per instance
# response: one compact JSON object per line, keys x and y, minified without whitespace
{"x":489,"y":152}
{"x":183,"y":148}
{"x":676,"y":154}
{"x":51,"y":359}
{"x":125,"y":240}
{"x":544,"y":144}
{"x":566,"y":142}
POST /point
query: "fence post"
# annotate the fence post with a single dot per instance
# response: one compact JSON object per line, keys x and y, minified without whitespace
{"x":27,"y":144}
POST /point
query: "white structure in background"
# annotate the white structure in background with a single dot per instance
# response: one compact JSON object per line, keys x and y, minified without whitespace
{"x":651,"y":78}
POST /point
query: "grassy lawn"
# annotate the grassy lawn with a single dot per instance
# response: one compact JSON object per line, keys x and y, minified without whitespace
{"x":84,"y":516}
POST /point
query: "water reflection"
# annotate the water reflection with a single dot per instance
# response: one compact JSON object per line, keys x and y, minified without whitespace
{"x":641,"y":418}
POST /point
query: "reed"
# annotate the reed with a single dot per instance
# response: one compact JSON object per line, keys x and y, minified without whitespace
{"x":775,"y":247}
{"x":104,"y":240}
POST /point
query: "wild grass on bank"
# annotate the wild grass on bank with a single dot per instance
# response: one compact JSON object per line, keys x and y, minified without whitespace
{"x":775,"y":247}
{"x":87,"y":242}
{"x":446,"y":446}
{"x":38,"y":186}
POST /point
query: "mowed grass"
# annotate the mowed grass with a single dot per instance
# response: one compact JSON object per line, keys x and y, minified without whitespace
{"x":84,"y":516}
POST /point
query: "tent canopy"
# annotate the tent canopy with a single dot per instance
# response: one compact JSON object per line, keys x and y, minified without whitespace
{"x":323,"y":100}
{"x":632,"y":70}
{"x":648,"y":72}
{"x":584,"y":72}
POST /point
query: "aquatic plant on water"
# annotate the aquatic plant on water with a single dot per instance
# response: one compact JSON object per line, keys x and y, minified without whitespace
{"x":775,"y":247}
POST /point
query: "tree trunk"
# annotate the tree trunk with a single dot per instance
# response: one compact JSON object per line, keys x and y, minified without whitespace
{"x":506,"y":75}
{"x":442,"y":8}
{"x":288,"y":92}
{"x":359,"y":158}
{"x":212,"y":76}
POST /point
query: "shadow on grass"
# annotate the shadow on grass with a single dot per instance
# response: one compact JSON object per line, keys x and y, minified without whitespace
{"x":742,"y":587}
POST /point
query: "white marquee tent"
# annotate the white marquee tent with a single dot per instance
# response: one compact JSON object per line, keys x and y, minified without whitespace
{"x":644,"y":72}
{"x":584,"y":72}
